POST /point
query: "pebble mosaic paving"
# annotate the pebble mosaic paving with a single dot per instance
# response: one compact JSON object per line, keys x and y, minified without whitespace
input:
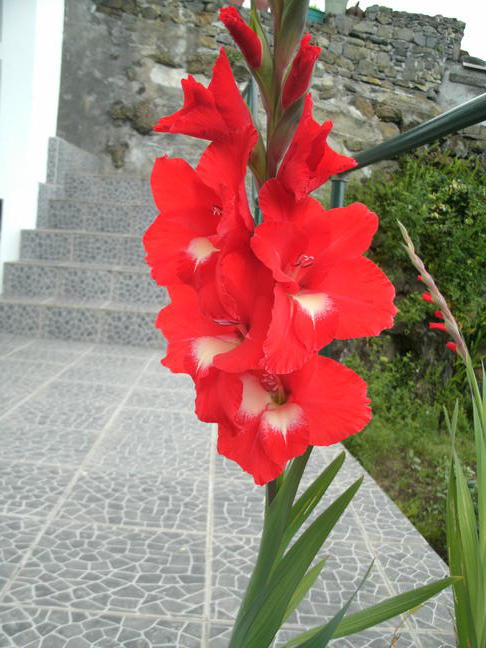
{"x":120,"y":526}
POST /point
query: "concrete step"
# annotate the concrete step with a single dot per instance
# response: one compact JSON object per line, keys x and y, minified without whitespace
{"x":115,"y":218}
{"x":100,"y":188}
{"x":100,"y":322}
{"x":131,"y":285}
{"x":82,"y":247}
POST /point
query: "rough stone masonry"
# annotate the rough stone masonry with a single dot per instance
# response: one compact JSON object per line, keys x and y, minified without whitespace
{"x":377,"y":76}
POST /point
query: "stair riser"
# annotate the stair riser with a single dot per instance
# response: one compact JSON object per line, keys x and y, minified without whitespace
{"x":101,"y":249}
{"x":104,"y":189}
{"x":117,"y":219}
{"x":82,"y":284}
{"x":82,"y":324}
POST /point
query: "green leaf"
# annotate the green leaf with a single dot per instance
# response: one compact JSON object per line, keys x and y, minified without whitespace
{"x":381,"y":612}
{"x":304,"y":586}
{"x":276,"y":517}
{"x":307,"y":502}
{"x":264,"y":618}
{"x":327,"y":632}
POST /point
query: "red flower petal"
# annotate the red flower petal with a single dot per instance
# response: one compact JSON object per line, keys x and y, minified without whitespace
{"x":333,"y":398}
{"x":310,"y":161}
{"x":362,"y":295}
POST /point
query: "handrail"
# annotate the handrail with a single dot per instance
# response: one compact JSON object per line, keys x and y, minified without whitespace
{"x":467,"y":114}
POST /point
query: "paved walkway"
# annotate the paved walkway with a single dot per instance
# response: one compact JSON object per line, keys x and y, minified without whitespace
{"x":121,"y":526}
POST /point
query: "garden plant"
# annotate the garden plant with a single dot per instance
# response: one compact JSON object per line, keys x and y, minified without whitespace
{"x":256,"y":291}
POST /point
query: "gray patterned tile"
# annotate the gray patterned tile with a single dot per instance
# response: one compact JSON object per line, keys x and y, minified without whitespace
{"x":19,"y":318}
{"x":408,"y":566}
{"x":66,"y":214}
{"x":165,"y":399}
{"x":40,"y":628}
{"x":130,"y":327}
{"x":114,"y":570}
{"x":72,"y":405}
{"x":31,"y":489}
{"x":118,"y":370}
{"x":347,"y":561}
{"x":30,"y":280}
{"x":381,"y":637}
{"x":52,"y":351}
{"x":82,"y":284}
{"x":67,"y":323}
{"x":150,"y":441}
{"x":133,"y":251}
{"x":103,"y":249}
{"x":138,"y":288}
{"x":381,"y":518}
{"x":44,"y":244}
{"x":143,"y":501}
{"x":22,"y":441}
{"x":156,"y":376}
{"x":16,"y":536}
{"x":11,"y":343}
{"x":238,"y":507}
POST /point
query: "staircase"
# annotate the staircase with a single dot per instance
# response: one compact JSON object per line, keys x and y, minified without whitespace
{"x":81,"y":274}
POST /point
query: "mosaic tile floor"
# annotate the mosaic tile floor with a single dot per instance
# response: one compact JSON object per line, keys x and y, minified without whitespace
{"x":121,"y":526}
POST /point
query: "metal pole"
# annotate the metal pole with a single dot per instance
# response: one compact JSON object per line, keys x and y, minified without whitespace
{"x":469,"y":113}
{"x":338,"y":186}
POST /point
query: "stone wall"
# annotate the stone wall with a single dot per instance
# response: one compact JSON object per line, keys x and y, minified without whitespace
{"x":124,"y":59}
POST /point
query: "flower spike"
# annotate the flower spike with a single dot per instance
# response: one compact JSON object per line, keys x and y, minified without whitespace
{"x":438,"y":326}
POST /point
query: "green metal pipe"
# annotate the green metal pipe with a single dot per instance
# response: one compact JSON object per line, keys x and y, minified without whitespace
{"x":338,"y":185}
{"x":469,"y":113}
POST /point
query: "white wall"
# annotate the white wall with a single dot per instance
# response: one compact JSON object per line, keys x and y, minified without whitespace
{"x":30,"y":55}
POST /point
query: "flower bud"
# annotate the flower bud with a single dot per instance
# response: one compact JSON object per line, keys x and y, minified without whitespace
{"x":439,"y":314}
{"x":438,"y":326}
{"x":428,"y":297}
{"x":243,"y":35}
{"x":300,"y":73}
{"x":452,"y":346}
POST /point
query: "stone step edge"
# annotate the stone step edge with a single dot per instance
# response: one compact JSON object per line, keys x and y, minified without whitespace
{"x":68,"y":232}
{"x":73,"y":265}
{"x":113,"y":307}
{"x":95,"y":203}
{"x":110,"y":176}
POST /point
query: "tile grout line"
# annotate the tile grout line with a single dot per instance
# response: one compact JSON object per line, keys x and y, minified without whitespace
{"x":19,"y":348}
{"x":209,"y":542}
{"x":50,"y":380}
{"x":69,"y":487}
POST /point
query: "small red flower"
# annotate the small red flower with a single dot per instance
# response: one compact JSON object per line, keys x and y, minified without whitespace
{"x":266,"y":419}
{"x":428,"y":297}
{"x":300,"y":73}
{"x":439,"y":314}
{"x":243,"y":35}
{"x":452,"y":346}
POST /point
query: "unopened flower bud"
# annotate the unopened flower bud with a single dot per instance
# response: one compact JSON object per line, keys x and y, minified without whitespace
{"x":243,"y":35}
{"x":300,"y":73}
{"x":420,"y":278}
{"x":438,"y":326}
{"x":427,"y":297}
{"x":438,"y":314}
{"x":452,"y":346}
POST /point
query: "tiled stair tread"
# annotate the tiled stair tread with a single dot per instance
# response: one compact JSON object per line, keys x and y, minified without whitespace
{"x":82,"y":305}
{"x":76,"y":265}
{"x":57,"y":232}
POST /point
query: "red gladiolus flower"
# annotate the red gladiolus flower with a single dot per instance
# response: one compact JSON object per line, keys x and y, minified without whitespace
{"x":196,"y":222}
{"x":325,"y":289}
{"x":428,"y":297}
{"x":310,"y":161}
{"x":265,"y":419}
{"x":217,"y":113}
{"x":452,"y":346}
{"x":243,"y":35}
{"x":300,"y":73}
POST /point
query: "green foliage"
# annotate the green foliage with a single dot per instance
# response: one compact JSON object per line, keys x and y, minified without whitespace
{"x":411,"y":376}
{"x":441,"y":200}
